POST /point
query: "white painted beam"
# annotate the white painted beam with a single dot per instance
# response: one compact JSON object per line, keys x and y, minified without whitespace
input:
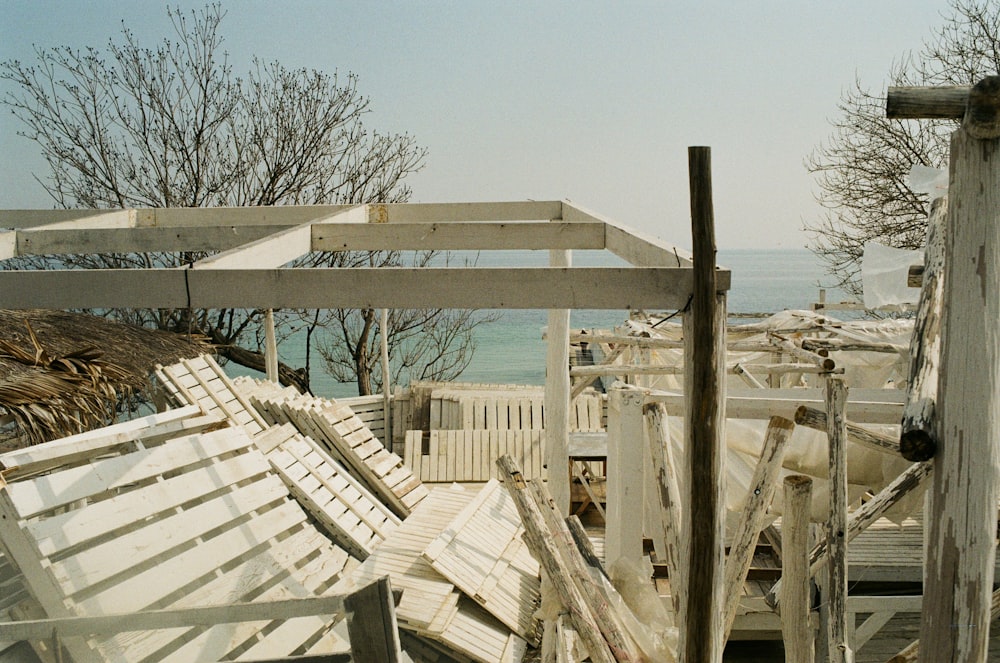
{"x":455,"y":236}
{"x":8,"y":244}
{"x":46,"y":241}
{"x":529,"y":288}
{"x":450,"y":212}
{"x":268,"y":252}
{"x":634,"y":247}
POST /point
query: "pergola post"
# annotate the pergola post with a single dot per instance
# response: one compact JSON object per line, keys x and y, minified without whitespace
{"x":557,"y":390}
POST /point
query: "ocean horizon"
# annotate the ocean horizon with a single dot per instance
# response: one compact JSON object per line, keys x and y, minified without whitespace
{"x":512,"y":351}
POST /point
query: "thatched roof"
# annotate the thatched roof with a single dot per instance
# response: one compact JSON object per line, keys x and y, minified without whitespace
{"x":62,"y":373}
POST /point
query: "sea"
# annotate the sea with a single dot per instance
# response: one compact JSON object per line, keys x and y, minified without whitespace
{"x":511,"y":349}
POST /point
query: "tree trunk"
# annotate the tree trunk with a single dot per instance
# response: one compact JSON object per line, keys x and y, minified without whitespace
{"x":287,"y":375}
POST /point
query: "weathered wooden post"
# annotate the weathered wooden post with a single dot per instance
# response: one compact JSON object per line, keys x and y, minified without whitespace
{"x":270,"y":347}
{"x":557,"y":389}
{"x":705,"y":395}
{"x":383,"y":331}
{"x":625,"y":476}
{"x":961,"y":542}
{"x":796,"y":603}
{"x":838,"y":650}
{"x":668,"y":496}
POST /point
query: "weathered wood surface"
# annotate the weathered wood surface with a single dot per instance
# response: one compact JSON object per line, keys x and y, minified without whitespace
{"x":626,"y":476}
{"x":140,"y":529}
{"x":705,"y":354}
{"x":431,"y":606}
{"x":557,"y":395}
{"x":546,"y":548}
{"x":371,"y":623}
{"x":482,"y":552}
{"x":816,"y":419}
{"x":668,"y":496}
{"x":918,"y":430}
{"x":758,"y":500}
{"x":961,"y":543}
{"x":796,"y":600}
{"x":838,"y":649}
{"x":946,"y":103}
{"x":471,"y":455}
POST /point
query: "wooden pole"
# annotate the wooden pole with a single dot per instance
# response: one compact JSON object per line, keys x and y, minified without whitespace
{"x":796,"y":602}
{"x":668,"y":497}
{"x":270,"y":347}
{"x":557,"y":390}
{"x":383,"y":330}
{"x":543,"y":545}
{"x":758,"y":499}
{"x":816,"y":419}
{"x":838,"y":650}
{"x":961,"y":542}
{"x":918,"y":432}
{"x":705,"y":350}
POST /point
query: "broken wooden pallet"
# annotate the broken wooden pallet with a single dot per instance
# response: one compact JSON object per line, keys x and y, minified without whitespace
{"x":353,"y":517}
{"x":482,"y":552}
{"x":431,"y":606}
{"x":349,"y":441}
{"x":190,"y":521}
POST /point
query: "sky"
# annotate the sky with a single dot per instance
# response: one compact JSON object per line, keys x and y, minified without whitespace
{"x":595,"y":102}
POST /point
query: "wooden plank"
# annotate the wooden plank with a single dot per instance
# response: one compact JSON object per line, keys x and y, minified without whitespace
{"x":456,"y":236}
{"x":796,"y":599}
{"x":475,"y":287}
{"x":464,"y":212}
{"x":62,"y":241}
{"x":630,"y":245}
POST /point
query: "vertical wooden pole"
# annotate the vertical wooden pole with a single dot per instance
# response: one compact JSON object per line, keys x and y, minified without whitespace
{"x":796,"y":628}
{"x":704,"y":377}
{"x":383,"y":331}
{"x":668,"y":497}
{"x":270,"y":347}
{"x":744,"y":543}
{"x":963,"y":520}
{"x":557,"y":402}
{"x":838,"y":650}
{"x":625,"y":476}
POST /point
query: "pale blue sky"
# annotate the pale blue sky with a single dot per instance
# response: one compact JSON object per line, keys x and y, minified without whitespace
{"x":591,"y":101}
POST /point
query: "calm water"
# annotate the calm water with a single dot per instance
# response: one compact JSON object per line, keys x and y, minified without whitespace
{"x":512,"y":351}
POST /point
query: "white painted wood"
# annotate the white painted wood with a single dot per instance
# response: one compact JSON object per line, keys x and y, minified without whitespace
{"x":632,"y":246}
{"x":838,"y":648}
{"x":752,"y":519}
{"x":452,"y":287}
{"x":557,"y":400}
{"x":383,"y":328}
{"x":457,"y":212}
{"x":457,"y":236}
{"x":796,"y":599}
{"x":960,"y":549}
{"x":270,"y":346}
{"x":8,"y":244}
{"x":667,"y":497}
{"x":44,"y":240}
{"x":269,"y":252}
{"x":625,"y":502}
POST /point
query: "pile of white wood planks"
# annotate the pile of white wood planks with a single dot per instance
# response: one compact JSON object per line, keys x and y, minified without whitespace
{"x":351,"y":515}
{"x":12,"y":592}
{"x":130,"y":524}
{"x":506,"y":408}
{"x":348,"y":441}
{"x":471,"y":455}
{"x":484,"y":625}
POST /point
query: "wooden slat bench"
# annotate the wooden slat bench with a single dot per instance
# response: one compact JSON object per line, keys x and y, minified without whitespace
{"x":197,"y":520}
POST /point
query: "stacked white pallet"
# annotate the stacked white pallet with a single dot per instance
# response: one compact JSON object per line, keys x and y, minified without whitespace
{"x":353,"y":517}
{"x":348,"y":440}
{"x":151,"y":524}
{"x":471,"y":455}
{"x":431,"y":606}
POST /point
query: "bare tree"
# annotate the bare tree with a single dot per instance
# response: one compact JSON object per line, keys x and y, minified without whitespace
{"x":862,"y":168}
{"x":172,"y":126}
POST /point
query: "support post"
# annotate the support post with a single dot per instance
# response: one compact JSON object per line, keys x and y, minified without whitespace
{"x":557,"y":390}
{"x":838,"y":650}
{"x":270,"y":347}
{"x":383,"y":331}
{"x":668,"y":496}
{"x":625,"y":477}
{"x":704,"y":386}
{"x":796,"y":603}
{"x":961,"y":548}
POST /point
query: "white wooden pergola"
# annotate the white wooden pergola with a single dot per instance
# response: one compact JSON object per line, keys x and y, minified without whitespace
{"x":254,"y":246}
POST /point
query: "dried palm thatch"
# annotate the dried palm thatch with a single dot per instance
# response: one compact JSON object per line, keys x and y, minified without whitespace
{"x":63,"y":373}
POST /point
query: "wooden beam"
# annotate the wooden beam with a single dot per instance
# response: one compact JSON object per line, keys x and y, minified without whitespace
{"x":8,"y":244}
{"x":668,"y":497}
{"x":816,"y":419}
{"x":918,"y":436}
{"x":943,"y":103}
{"x":371,"y":623}
{"x":796,"y":599}
{"x":266,"y":253}
{"x":630,"y":245}
{"x":451,"y":212}
{"x":48,"y":241}
{"x":704,"y":523}
{"x":625,"y":477}
{"x":534,"y":288}
{"x":457,"y":236}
